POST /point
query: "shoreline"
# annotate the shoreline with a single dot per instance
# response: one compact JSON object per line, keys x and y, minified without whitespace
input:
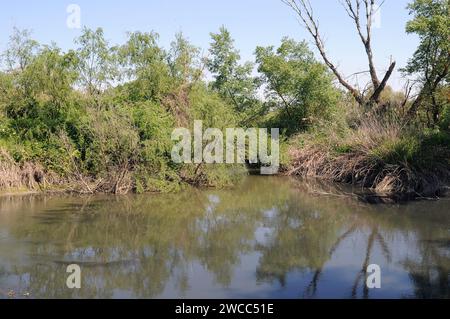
{"x":365,"y":194}
{"x":11,"y":193}
{"x":394,"y":182}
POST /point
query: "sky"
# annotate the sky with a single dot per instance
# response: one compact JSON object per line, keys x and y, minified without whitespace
{"x":252,"y":23}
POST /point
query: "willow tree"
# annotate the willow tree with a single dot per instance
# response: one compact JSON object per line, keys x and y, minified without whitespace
{"x":362,"y":13}
{"x":232,"y":80}
{"x":96,"y":66}
{"x":21,"y":50}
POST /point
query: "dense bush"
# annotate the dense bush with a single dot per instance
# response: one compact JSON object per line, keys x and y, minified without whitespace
{"x":100,"y":117}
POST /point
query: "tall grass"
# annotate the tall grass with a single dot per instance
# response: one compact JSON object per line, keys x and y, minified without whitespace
{"x":381,"y":153}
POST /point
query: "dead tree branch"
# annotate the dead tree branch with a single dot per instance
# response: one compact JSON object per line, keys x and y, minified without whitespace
{"x":305,"y":12}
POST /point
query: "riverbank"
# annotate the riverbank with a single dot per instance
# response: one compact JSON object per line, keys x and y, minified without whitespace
{"x":381,"y":156}
{"x":398,"y":182}
{"x":32,"y":178}
{"x":378,"y":180}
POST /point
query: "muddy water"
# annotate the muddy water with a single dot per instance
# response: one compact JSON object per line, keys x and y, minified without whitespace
{"x":266,"y":238}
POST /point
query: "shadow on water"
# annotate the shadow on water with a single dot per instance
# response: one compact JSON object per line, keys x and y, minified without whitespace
{"x":269,"y":237}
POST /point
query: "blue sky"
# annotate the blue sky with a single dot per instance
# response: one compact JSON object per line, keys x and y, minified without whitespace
{"x":251,"y":22}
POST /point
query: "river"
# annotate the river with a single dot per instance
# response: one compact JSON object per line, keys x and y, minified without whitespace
{"x":269,"y":237}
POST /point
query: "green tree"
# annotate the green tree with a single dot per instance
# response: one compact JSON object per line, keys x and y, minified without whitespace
{"x":296,"y":84}
{"x":146,"y":67}
{"x":184,"y":61}
{"x":431,"y":61}
{"x":232,"y":80}
{"x":40,"y":96}
{"x":21,"y":50}
{"x":39,"y":103}
{"x":96,"y":62}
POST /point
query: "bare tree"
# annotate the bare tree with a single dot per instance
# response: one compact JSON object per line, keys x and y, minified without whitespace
{"x":363,"y":26}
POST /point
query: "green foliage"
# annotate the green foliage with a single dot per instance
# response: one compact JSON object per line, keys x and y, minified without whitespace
{"x":154,"y":170}
{"x":21,"y":50}
{"x":442,"y":97}
{"x":432,"y":24}
{"x":431,"y":61}
{"x":403,"y":150}
{"x":145,"y":65}
{"x":419,"y":151}
{"x":113,"y":140}
{"x":208,"y":106}
{"x":38,"y":102}
{"x":445,"y":119}
{"x":97,"y":67}
{"x":184,"y":61}
{"x":298,"y":87}
{"x":224,"y":58}
{"x":61,"y":111}
{"x":232,"y":80}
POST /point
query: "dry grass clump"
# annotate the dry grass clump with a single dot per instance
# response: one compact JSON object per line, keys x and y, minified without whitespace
{"x":381,"y":155}
{"x":13,"y":176}
{"x":10,"y":176}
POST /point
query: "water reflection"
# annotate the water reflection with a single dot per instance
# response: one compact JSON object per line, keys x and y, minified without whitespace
{"x":269,"y":237}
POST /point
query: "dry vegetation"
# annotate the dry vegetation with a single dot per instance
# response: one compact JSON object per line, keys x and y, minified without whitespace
{"x":381,"y":155}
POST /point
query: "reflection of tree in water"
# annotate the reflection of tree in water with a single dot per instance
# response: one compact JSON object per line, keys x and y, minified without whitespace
{"x":430,"y":280}
{"x":431,"y":273}
{"x":310,"y":242}
{"x":290,"y":248}
{"x":362,"y":275}
{"x":301,"y":239}
{"x":137,"y":245}
{"x":311,"y":289}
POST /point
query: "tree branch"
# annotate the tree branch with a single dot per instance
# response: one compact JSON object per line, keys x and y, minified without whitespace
{"x":376,"y":94}
{"x":304,"y":11}
{"x":353,"y":10}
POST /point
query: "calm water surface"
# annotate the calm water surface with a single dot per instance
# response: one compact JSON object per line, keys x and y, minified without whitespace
{"x":267,"y":238}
